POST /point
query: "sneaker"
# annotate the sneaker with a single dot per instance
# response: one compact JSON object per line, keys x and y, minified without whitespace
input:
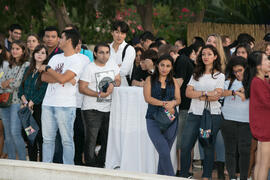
{"x":177,"y":173}
{"x":190,"y":175}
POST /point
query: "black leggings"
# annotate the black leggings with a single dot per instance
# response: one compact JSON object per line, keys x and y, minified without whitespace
{"x":37,"y":146}
{"x":237,"y":140}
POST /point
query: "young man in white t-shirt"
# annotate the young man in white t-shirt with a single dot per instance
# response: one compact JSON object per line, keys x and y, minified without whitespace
{"x":97,"y":83}
{"x":59,"y":104}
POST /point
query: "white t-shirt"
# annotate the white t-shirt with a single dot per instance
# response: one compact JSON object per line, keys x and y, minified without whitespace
{"x":97,"y":77}
{"x":85,"y":60}
{"x":63,"y":95}
{"x":206,"y":83}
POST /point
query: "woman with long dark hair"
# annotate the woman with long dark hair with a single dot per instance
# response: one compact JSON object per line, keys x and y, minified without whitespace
{"x":242,"y":50}
{"x":235,"y":127}
{"x":257,"y":89}
{"x":205,"y":85}
{"x":32,"y":92}
{"x":3,"y":70}
{"x":162,"y":93}
{"x":10,"y":83}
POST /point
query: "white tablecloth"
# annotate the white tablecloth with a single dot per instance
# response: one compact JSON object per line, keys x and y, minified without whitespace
{"x":129,"y":145}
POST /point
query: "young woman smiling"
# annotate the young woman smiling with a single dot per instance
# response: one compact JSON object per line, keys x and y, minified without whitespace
{"x":11,"y":82}
{"x":32,"y":92}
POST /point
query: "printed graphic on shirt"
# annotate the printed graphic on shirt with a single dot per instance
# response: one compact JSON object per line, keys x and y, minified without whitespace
{"x":59,"y":68}
{"x":103,"y":80}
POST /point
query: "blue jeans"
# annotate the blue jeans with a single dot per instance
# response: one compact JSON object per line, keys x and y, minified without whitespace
{"x":219,"y":146}
{"x":53,"y":118}
{"x":163,"y":143}
{"x":13,"y":132}
{"x":190,"y":136}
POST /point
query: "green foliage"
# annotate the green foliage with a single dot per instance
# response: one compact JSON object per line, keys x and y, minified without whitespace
{"x":27,"y":13}
{"x":171,"y":24}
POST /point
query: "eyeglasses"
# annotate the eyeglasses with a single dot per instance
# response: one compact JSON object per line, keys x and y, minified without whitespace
{"x":238,"y":71}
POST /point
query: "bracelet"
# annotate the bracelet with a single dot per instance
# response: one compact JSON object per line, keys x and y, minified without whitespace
{"x":163,"y":103}
{"x":113,"y":83}
{"x":233,"y":92}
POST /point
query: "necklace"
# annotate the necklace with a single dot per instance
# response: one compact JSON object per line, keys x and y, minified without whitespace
{"x":34,"y":72}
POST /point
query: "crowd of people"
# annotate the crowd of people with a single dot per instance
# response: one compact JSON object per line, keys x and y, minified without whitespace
{"x":216,"y":84}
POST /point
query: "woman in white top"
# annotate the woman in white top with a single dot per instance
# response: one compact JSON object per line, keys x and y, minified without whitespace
{"x":207,"y":82}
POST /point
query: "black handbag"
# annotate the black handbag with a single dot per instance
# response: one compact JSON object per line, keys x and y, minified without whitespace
{"x":29,"y":124}
{"x":206,"y":126}
{"x":164,"y":118}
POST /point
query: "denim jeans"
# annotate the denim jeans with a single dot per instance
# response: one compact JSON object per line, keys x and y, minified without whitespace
{"x":13,"y":132}
{"x":95,"y":122}
{"x":53,"y":118}
{"x":163,"y":143}
{"x":219,"y":147}
{"x":183,"y":114}
{"x":190,"y":136}
{"x":237,"y":139}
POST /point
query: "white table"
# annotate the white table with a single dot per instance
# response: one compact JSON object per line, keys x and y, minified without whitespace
{"x":129,"y":146}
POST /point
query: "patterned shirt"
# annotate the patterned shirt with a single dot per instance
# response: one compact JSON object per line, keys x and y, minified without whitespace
{"x":15,"y":72}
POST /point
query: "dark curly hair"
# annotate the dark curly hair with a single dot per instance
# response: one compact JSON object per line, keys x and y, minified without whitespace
{"x":199,"y":69}
{"x":235,"y":61}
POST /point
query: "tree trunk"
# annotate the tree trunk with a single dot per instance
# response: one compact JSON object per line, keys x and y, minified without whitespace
{"x":199,"y":17}
{"x":146,"y":14}
{"x":61,"y":14}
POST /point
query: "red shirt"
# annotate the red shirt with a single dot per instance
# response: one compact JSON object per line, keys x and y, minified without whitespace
{"x":259,"y":109}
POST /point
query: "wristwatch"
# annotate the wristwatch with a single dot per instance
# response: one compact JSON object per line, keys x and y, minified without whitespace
{"x":114,"y":83}
{"x":47,"y":67}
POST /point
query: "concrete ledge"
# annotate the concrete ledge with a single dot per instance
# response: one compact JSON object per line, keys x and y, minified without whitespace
{"x":25,"y":170}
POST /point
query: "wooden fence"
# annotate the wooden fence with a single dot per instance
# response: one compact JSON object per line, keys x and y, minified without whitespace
{"x":232,"y":30}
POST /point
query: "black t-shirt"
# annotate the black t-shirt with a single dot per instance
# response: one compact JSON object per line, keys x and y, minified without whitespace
{"x":134,"y":70}
{"x":57,"y":50}
{"x":183,"y":68}
{"x":141,"y":74}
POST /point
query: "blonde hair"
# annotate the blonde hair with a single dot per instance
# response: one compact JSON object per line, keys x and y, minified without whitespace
{"x":220,"y":50}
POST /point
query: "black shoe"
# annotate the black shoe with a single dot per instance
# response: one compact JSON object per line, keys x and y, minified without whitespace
{"x":177,"y":173}
{"x":220,"y":170}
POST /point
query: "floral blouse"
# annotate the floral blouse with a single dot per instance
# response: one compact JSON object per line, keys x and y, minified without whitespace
{"x":17,"y":73}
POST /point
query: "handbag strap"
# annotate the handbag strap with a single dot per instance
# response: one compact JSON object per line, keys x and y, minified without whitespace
{"x":207,"y":104}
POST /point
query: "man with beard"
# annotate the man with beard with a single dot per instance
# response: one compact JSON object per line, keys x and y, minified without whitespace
{"x":97,"y":83}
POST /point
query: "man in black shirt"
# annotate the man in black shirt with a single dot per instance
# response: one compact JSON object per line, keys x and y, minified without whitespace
{"x":147,"y":66}
{"x":51,"y":40}
{"x":183,"y":69}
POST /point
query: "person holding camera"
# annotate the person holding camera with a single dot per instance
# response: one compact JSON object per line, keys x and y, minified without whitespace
{"x":96,"y":84}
